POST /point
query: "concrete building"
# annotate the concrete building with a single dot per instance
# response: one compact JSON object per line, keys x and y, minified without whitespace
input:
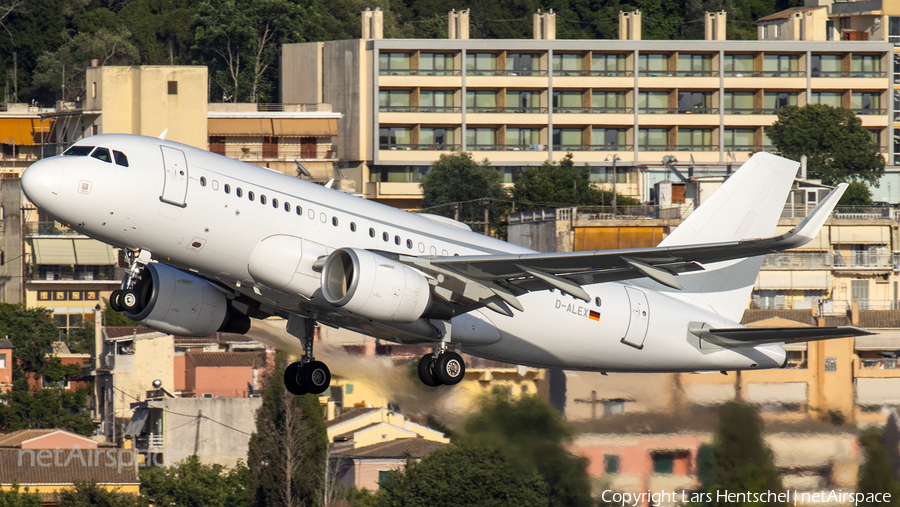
{"x":223,"y":374}
{"x":6,"y":368}
{"x":368,"y":467}
{"x":22,"y":132}
{"x":520,"y":103}
{"x":361,"y":427}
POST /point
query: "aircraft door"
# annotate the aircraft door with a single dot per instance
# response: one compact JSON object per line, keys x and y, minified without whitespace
{"x":639,"y":318}
{"x":176,"y":177}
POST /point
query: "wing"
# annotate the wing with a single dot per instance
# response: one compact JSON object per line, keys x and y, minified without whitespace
{"x":485,"y":280}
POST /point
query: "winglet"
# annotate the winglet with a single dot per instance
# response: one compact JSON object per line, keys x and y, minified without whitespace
{"x":162,"y":137}
{"x":809,"y":227}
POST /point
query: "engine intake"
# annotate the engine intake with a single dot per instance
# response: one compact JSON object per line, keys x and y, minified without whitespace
{"x":175,"y":302}
{"x":374,"y":286}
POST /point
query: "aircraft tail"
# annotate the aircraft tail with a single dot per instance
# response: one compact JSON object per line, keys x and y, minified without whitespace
{"x":748,"y":205}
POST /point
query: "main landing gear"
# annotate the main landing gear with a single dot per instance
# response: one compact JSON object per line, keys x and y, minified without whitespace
{"x":307,"y":375}
{"x":441,"y":367}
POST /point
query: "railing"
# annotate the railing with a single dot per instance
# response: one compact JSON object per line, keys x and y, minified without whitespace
{"x":288,"y":107}
{"x":799,"y":260}
{"x":851,"y":73}
{"x":593,"y":147}
{"x":881,"y":363}
{"x":506,"y":147}
{"x":526,"y":73}
{"x":753,"y":110}
{"x":658,"y":110}
{"x":657,"y":147}
{"x":420,"y":147}
{"x":784,"y":73}
{"x":419,"y":72}
{"x":147,"y":442}
{"x":593,"y":110}
{"x":506,"y":109}
{"x":611,"y":73}
{"x":419,"y":109}
{"x":743,"y":73}
{"x":698,"y":110}
{"x":869,"y":111}
{"x":281,"y":151}
{"x":842,"y":212}
{"x":49,"y":229}
{"x":865,"y":260}
{"x":525,"y":110}
{"x":697,"y":147}
{"x":51,"y":272}
{"x":747,"y":147}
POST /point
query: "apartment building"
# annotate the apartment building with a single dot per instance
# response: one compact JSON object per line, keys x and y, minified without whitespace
{"x":522,"y":102}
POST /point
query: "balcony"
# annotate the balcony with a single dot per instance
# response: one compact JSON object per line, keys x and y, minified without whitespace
{"x":750,"y":148}
{"x":526,"y":73}
{"x":741,"y":110}
{"x":506,"y":147}
{"x":419,"y":72}
{"x":33,"y":229}
{"x":795,"y":260}
{"x":419,"y":109}
{"x":868,"y":111}
{"x":881,"y":363}
{"x":281,"y":152}
{"x":47,"y":273}
{"x":419,"y":147}
{"x":851,"y":73}
{"x":502,"y":109}
{"x":784,"y":73}
{"x":593,"y":147}
{"x":743,"y":73}
{"x":698,"y":110}
{"x":593,"y":110}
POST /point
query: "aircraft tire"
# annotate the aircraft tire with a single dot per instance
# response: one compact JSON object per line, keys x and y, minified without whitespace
{"x":128,"y":301}
{"x":114,"y":301}
{"x":292,"y":380}
{"x":315,"y":377}
{"x":449,"y":368}
{"x":425,"y":371}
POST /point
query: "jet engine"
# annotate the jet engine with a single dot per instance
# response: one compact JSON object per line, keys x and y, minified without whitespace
{"x":175,"y":302}
{"x":374,"y":286}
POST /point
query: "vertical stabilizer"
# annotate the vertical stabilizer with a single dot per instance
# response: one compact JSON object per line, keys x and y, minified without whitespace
{"x":748,"y":205}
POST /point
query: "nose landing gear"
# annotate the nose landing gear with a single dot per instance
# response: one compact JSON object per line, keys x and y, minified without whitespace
{"x":307,"y":375}
{"x":127,"y":299}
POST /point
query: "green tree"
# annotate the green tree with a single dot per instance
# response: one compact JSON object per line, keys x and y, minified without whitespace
{"x":533,"y":437}
{"x":834,"y":141}
{"x":560,"y":185}
{"x":462,"y":475}
{"x":875,"y":474}
{"x":457,"y":178}
{"x":162,"y":30}
{"x":89,"y":494}
{"x":45,"y":408}
{"x":287,"y":452}
{"x":857,"y":194}
{"x":743,"y":462}
{"x":16,"y":498}
{"x":114,"y":318}
{"x":191,"y":483}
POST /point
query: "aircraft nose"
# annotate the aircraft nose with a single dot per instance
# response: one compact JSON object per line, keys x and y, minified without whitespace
{"x":41,"y":181}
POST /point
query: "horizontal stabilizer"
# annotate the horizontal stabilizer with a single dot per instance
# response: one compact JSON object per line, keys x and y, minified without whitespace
{"x":743,"y":336}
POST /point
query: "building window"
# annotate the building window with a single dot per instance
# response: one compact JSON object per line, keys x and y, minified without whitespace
{"x":94,"y":90}
{"x":393,"y":64}
{"x":696,"y":103}
{"x":610,"y":64}
{"x":481,"y":64}
{"x":567,"y":102}
{"x":695,"y":65}
{"x":567,"y":64}
{"x":480,"y":139}
{"x":567,"y":139}
{"x":523,"y":139}
{"x":832,"y":99}
{"x":653,"y":102}
{"x":436,"y":101}
{"x":2,"y":360}
{"x":173,"y":87}
{"x":866,"y":102}
{"x":396,"y":101}
{"x":611,"y":407}
{"x":781,"y":66}
{"x":523,"y":64}
{"x":773,"y":101}
{"x":394,"y":138}
{"x":653,"y":64}
{"x":859,"y":289}
{"x":608,"y":139}
{"x":865,"y":66}
{"x":436,"y":64}
{"x":482,"y":101}
{"x":663,"y":462}
{"x":894,"y":29}
{"x":739,"y":103}
{"x":523,"y":101}
{"x":653,"y":139}
{"x":436,"y":139}
{"x":826,"y":65}
{"x":608,"y":102}
{"x":739,"y":65}
{"x":611,"y":463}
{"x":383,"y":476}
{"x":739,"y":140}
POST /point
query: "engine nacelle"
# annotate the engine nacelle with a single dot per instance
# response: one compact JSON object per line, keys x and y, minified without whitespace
{"x":175,"y":302}
{"x":374,"y":286}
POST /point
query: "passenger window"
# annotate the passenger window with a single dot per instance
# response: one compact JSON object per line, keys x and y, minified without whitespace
{"x":121,"y":159}
{"x":251,"y":196}
{"x":238,"y":192}
{"x":78,"y":151}
{"x":299,"y":210}
{"x":352,"y":226}
{"x":334,"y":221}
{"x":262,"y":199}
{"x":227,"y":188}
{"x":396,"y":240}
{"x":287,"y":206}
{"x":102,"y":154}
{"x":409,"y":244}
{"x":202,"y":181}
{"x":371,"y":232}
{"x":385,"y":236}
{"x":275,"y":203}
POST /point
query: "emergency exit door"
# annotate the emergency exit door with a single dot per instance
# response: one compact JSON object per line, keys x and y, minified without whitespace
{"x":176,"y":177}
{"x":639,"y":317}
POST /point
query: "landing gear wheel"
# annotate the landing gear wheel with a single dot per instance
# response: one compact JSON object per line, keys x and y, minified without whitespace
{"x":292,"y":379}
{"x":449,"y":368}
{"x":315,"y":377}
{"x":425,"y":371}
{"x":128,"y":301}
{"x":114,"y":301}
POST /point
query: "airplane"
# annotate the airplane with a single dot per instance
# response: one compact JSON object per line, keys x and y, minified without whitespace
{"x":213,"y":242}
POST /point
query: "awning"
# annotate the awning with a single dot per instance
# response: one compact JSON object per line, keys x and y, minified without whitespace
{"x":777,"y":392}
{"x":137,"y":421}
{"x":94,"y":253}
{"x":877,"y":235}
{"x":878,"y":391}
{"x":881,"y":341}
{"x":793,"y":280}
{"x":286,"y":127}
{"x":22,"y":131}
{"x":53,"y":251}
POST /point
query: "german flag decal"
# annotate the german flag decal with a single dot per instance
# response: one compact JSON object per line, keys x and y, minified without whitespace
{"x":594,"y":315}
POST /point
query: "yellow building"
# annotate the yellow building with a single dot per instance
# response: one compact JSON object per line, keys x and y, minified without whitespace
{"x":520,"y":103}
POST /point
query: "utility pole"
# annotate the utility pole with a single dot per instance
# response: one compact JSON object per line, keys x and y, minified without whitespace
{"x":487,"y":206}
{"x":456,"y":211}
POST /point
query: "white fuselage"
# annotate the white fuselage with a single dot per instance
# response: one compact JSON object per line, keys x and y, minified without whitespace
{"x":215,"y":234}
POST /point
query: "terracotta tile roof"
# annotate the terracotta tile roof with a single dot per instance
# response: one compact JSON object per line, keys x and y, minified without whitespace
{"x":5,"y":344}
{"x":352,"y":414}
{"x":219,"y":359}
{"x":879,"y":319}
{"x":785,"y":14}
{"x":103,"y":466}
{"x":184,"y":340}
{"x":801,"y":316}
{"x":16,"y":438}
{"x":215,"y":338}
{"x":401,"y":448}
{"x":123,"y":331}
{"x":837,"y":320}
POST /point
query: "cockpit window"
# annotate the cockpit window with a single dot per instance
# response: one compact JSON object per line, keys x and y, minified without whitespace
{"x":78,"y":151}
{"x":121,"y":159}
{"x":102,"y":154}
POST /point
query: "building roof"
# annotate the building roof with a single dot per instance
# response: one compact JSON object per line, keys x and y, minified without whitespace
{"x":351,"y":414}
{"x":879,"y":319}
{"x":17,"y":438}
{"x":401,"y":448}
{"x":801,"y":316}
{"x":5,"y":344}
{"x":214,"y":338}
{"x":25,"y":468}
{"x":220,"y":359}
{"x":787,"y":13}
{"x":125,"y":331}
